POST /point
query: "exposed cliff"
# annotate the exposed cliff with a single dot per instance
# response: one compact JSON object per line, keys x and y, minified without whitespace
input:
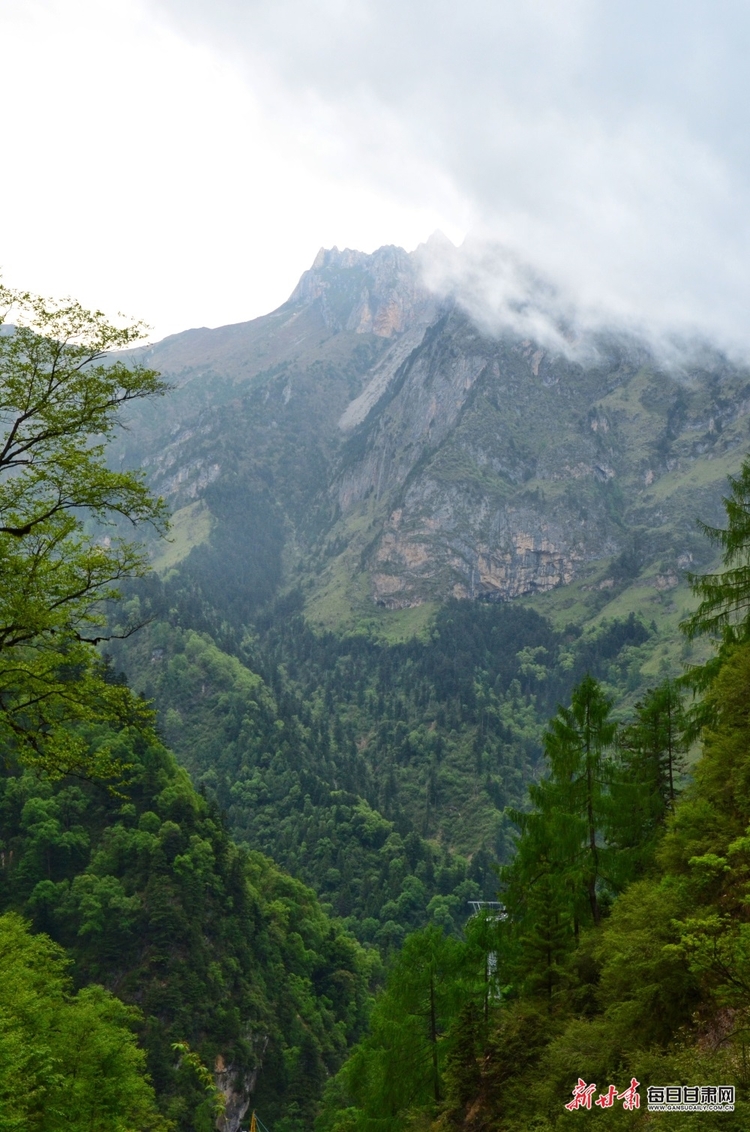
{"x":398,"y":455}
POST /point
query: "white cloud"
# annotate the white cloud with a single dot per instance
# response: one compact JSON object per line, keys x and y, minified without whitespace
{"x":184,"y":159}
{"x":141,"y":172}
{"x":604,"y":142}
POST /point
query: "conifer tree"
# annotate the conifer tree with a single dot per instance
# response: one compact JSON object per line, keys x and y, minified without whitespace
{"x":463,"y":1077}
{"x":398,"y":1068}
{"x":724,"y":609}
{"x":543,"y":904}
{"x":645,"y":782}
{"x":653,"y":747}
{"x":575,"y":796}
{"x":564,"y":856}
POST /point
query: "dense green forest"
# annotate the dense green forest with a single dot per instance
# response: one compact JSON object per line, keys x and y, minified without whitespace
{"x":214,"y":946}
{"x":379,"y":773}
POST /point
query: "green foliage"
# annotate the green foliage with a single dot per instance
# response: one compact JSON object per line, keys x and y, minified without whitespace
{"x":191,"y":1060}
{"x":67,"y":1061}
{"x":59,"y":400}
{"x":217,"y":947}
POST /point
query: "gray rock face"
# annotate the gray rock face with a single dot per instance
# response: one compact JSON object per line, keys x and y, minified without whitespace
{"x":237,"y":1089}
{"x":377,"y":294}
{"x":473,"y":552}
{"x":464,"y":447}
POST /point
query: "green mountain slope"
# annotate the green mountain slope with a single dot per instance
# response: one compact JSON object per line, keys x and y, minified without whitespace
{"x":216,"y":947}
{"x":377,"y":772}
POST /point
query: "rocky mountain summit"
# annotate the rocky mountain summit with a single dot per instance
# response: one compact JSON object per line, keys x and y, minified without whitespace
{"x":368,"y":443}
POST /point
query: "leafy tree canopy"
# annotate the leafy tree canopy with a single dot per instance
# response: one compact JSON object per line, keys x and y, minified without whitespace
{"x":61,"y":550}
{"x":67,"y":1061}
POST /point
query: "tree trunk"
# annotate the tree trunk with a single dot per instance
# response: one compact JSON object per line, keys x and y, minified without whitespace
{"x":433,"y":1038}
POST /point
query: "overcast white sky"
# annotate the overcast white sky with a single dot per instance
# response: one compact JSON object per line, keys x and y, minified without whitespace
{"x":183,"y":160}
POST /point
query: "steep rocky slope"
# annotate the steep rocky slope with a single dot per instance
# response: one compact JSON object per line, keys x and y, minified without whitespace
{"x":367,"y":442}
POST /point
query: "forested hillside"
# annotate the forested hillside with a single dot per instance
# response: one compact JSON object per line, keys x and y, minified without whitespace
{"x":216,"y":948}
{"x":618,"y":966}
{"x":378,"y":773}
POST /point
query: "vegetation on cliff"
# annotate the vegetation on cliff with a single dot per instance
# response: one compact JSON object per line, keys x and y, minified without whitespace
{"x":67,"y":1060}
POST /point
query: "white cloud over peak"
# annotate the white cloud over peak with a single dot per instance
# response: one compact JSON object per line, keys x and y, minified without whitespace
{"x":184,"y":159}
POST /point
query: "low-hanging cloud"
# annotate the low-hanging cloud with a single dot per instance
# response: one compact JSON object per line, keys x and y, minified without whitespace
{"x":604,"y":145}
{"x":500,"y":292}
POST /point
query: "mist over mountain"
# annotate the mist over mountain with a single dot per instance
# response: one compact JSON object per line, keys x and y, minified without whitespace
{"x":393,"y":451}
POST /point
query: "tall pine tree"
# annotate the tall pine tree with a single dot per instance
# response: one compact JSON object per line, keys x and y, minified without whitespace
{"x":575,"y":795}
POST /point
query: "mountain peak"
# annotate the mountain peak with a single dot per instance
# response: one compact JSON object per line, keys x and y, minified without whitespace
{"x":438,"y":241}
{"x":378,"y":292}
